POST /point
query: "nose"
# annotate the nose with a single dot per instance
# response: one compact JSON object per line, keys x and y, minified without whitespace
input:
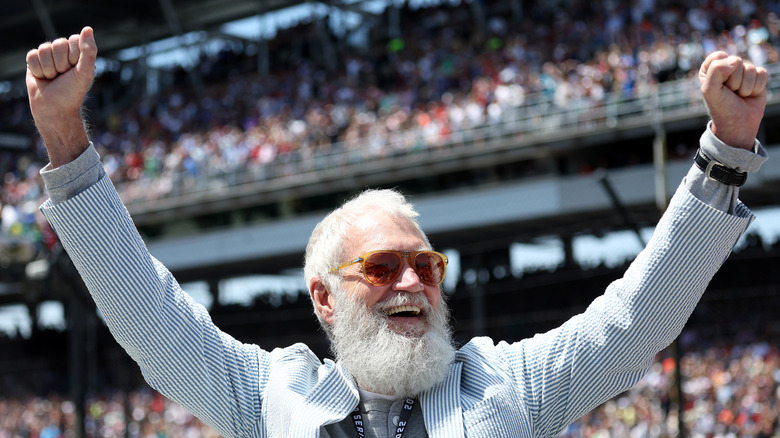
{"x":408,"y":280}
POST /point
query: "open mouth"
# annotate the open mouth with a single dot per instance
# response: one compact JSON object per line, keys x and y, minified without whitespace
{"x":403,"y":311}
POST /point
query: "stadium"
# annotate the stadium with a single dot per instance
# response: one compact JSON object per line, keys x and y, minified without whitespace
{"x":540,"y":142}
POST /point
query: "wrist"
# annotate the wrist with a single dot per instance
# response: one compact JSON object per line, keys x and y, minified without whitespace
{"x":736,"y":136}
{"x":741,"y":160}
{"x":65,"y":138}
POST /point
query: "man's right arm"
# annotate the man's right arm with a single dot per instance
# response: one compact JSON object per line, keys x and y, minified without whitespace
{"x":180,"y":351}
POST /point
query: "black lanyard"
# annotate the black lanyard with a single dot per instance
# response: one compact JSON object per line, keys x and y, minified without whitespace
{"x":403,"y":420}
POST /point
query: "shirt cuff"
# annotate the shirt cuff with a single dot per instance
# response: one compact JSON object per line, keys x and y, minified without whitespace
{"x":73,"y":178}
{"x":741,"y":160}
{"x":714,"y":193}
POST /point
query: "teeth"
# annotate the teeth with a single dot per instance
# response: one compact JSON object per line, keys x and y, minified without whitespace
{"x":401,"y":309}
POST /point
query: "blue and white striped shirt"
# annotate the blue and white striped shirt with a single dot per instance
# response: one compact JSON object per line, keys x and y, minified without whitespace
{"x":534,"y":387}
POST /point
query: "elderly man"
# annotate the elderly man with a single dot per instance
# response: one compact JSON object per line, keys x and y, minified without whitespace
{"x":374,"y":282}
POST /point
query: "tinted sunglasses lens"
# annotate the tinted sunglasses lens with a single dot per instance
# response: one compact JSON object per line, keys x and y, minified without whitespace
{"x":429,"y":267}
{"x":381,"y":268}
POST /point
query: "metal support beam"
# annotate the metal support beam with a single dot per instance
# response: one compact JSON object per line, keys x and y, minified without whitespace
{"x":324,"y":42}
{"x":477,"y":309}
{"x":263,"y":54}
{"x":568,"y":251}
{"x":263,"y":57}
{"x":214,"y":292}
{"x":76,"y":362}
{"x":79,"y":305}
{"x":661,"y":163}
{"x":621,"y":209}
{"x":475,"y":287}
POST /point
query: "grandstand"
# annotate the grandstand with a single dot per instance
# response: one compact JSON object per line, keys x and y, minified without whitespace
{"x":503,"y":131}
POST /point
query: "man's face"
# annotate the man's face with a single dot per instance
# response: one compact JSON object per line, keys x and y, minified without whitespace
{"x":384,"y":231}
{"x":374,"y":335}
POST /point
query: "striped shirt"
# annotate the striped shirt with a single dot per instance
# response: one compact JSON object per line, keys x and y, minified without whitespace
{"x":534,"y":387}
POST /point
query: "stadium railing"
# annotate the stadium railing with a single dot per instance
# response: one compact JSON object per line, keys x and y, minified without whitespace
{"x":537,"y":119}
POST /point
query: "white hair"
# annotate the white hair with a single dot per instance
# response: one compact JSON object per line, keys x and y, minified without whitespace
{"x":326,"y":244}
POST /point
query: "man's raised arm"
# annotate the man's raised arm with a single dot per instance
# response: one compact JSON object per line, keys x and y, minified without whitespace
{"x":181,"y":353}
{"x":609,"y":347}
{"x":59,"y":74}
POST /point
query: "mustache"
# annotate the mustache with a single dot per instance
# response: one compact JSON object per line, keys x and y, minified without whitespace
{"x":404,"y":299}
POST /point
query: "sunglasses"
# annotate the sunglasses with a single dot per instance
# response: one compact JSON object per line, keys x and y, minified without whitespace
{"x":383,"y":267}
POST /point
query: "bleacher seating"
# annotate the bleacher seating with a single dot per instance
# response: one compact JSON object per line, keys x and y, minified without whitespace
{"x":441,"y":88}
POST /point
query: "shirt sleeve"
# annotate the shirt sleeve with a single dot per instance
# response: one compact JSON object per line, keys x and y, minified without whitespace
{"x":70,"y":179}
{"x":714,"y":193}
{"x":570,"y":370}
{"x":180,"y":351}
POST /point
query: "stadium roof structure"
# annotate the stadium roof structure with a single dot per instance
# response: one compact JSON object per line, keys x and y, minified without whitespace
{"x":122,"y":24}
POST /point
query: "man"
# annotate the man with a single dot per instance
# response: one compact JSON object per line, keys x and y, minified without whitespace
{"x":374,"y":282}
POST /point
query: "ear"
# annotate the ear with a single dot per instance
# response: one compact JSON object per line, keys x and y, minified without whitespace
{"x":322,"y":298}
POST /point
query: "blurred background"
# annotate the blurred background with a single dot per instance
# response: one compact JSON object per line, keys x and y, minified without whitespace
{"x":540,"y":141}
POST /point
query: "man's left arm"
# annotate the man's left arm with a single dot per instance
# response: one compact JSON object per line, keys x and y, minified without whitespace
{"x":566,"y":372}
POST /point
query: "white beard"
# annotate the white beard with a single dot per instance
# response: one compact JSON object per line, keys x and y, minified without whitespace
{"x":387,"y":362}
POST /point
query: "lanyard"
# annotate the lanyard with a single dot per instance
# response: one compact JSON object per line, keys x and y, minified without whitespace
{"x":403,"y":420}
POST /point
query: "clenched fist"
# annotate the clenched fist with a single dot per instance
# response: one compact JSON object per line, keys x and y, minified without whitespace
{"x":59,"y":74}
{"x":734,"y":91}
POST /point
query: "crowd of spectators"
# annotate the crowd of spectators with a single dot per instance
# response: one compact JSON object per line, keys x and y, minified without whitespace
{"x":443,"y":77}
{"x":730,"y":389}
{"x":424,"y":90}
{"x":141,"y":413}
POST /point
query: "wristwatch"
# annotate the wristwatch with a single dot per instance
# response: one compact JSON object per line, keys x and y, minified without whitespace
{"x":718,"y":171}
